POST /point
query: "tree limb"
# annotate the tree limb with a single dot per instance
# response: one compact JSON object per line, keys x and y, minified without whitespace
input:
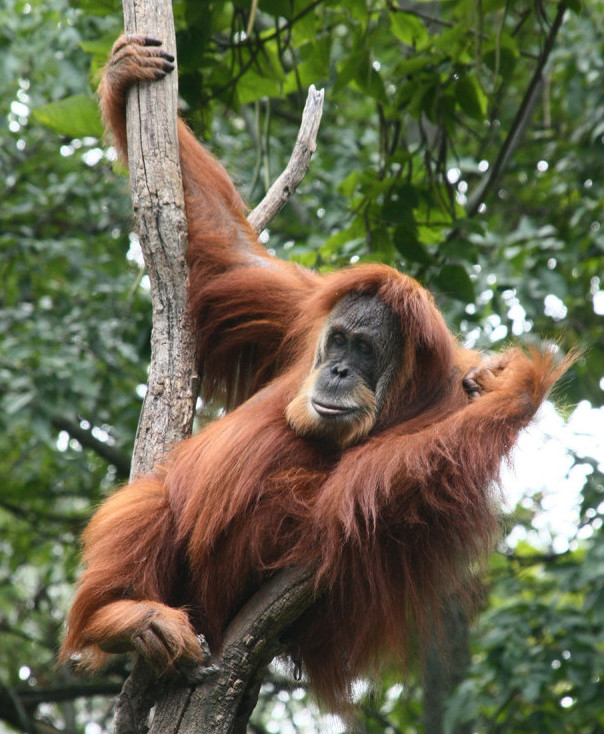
{"x":135,"y":700}
{"x":158,"y":203}
{"x":223,"y":704}
{"x":85,"y":436}
{"x":297,"y":167}
{"x":228,"y":698}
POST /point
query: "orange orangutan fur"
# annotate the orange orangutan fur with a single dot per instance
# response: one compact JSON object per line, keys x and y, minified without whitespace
{"x":390,"y":525}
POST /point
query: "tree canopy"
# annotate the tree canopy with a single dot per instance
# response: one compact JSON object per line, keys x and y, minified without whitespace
{"x":462,"y":142}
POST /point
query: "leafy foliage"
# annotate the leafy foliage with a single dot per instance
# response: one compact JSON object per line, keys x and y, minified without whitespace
{"x":421,"y":101}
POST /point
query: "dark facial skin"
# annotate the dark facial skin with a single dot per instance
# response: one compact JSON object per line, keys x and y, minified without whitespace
{"x":360,"y":351}
{"x":361,"y":346}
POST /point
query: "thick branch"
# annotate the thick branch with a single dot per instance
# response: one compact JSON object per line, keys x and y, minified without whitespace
{"x":135,"y":700}
{"x":158,"y":202}
{"x":223,"y":704}
{"x":226,"y":700}
{"x":287,"y":183}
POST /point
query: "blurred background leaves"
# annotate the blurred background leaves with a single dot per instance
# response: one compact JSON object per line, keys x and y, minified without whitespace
{"x":434,"y":156}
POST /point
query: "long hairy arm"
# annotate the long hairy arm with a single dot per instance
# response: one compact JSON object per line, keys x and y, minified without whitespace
{"x":442,"y":475}
{"x":243,"y":299}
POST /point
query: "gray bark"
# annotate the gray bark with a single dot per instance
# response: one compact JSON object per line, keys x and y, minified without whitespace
{"x":158,"y":203}
{"x":223,"y":703}
{"x":297,"y":167}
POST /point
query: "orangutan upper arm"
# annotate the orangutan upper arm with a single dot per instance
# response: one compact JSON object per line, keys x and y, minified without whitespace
{"x":240,"y":347}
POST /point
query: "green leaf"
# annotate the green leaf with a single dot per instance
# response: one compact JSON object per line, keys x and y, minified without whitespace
{"x":576,"y":6}
{"x":399,"y":206}
{"x":354,"y":233}
{"x":395,"y":210}
{"x":99,"y":46}
{"x":454,"y":281}
{"x":357,"y":67}
{"x":409,"y":29}
{"x":453,"y":42}
{"x":459,"y":248}
{"x":276,"y":8}
{"x":501,"y":55}
{"x":76,"y":116}
{"x":409,"y":246}
{"x":15,"y":403}
{"x":348,"y":186}
{"x":311,"y":71}
{"x":253,"y":86}
{"x":470,"y":97}
{"x":411,"y":66}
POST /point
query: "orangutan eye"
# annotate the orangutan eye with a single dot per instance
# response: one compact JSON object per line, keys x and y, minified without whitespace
{"x":364,"y":347}
{"x":338,"y":339}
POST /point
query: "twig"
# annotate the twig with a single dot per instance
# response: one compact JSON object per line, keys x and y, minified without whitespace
{"x":296,"y":169}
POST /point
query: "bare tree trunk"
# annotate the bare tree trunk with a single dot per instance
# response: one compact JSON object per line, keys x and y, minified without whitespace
{"x":224,"y":702}
{"x":158,"y":203}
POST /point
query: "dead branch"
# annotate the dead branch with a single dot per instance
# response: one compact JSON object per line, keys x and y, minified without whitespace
{"x":287,"y":183}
